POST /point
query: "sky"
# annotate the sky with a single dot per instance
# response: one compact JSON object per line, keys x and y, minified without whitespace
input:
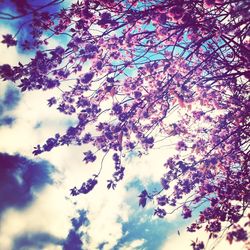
{"x":36,"y":209}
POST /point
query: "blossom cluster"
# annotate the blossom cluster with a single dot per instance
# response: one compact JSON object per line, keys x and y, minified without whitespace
{"x":131,"y":65}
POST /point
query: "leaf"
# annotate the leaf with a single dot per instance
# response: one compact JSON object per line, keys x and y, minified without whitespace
{"x":143,"y":201}
{"x":111,"y":184}
{"x":143,"y":198}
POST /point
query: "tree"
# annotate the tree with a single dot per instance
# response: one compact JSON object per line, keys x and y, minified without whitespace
{"x":127,"y":66}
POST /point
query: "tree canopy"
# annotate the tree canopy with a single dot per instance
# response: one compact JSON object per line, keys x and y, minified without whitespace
{"x":138,"y":74}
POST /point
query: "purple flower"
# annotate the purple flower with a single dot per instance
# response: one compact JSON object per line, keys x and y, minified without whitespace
{"x":130,"y":145}
{"x":193,"y":227}
{"x":214,"y":226}
{"x":37,"y":150}
{"x":198,"y":114}
{"x":176,"y":12}
{"x":87,"y":77}
{"x":50,"y":143}
{"x":123,"y":117}
{"x":52,"y":83}
{"x":72,"y":131}
{"x":145,"y":114}
{"x":57,"y":52}
{"x":186,"y":212}
{"x":198,"y":245}
{"x":89,"y":157}
{"x":111,"y":184}
{"x":82,"y":102}
{"x":213,"y":160}
{"x":9,"y":40}
{"x":172,"y":202}
{"x":149,"y":140}
{"x":109,"y":135}
{"x":183,"y":167}
{"x":137,"y":94}
{"x":162,"y":200}
{"x":90,"y":48}
{"x":105,"y":18}
{"x":116,"y":157}
{"x":143,"y":198}
{"x":90,"y":51}
{"x":119,"y":173}
{"x":80,"y":24}
{"x":239,"y":235}
{"x":51,"y":101}
{"x":117,"y":108}
{"x":6,"y":72}
{"x":87,"y":186}
{"x":186,"y":186}
{"x":181,"y":146}
{"x":99,"y":65}
{"x":160,"y":212}
{"x":164,"y":183}
{"x":74,"y":191}
{"x":214,"y":201}
{"x":110,"y":80}
{"x":87,"y":138}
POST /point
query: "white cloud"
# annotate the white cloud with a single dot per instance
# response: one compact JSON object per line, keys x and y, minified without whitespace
{"x":52,"y":247}
{"x":107,"y":209}
{"x":134,"y":245}
{"x":49,"y":213}
{"x":9,"y":55}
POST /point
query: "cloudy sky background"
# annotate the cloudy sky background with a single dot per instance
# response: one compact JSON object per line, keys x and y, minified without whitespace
{"x":36,"y":210}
